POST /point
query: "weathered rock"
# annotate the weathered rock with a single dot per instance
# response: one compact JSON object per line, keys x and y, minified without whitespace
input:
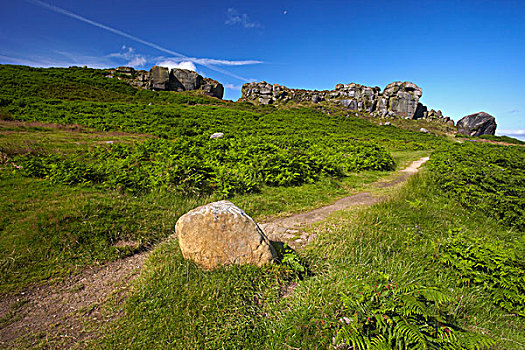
{"x":432,"y":114}
{"x":421,"y":111}
{"x":184,"y":80}
{"x":403,"y":98}
{"x":220,"y":233}
{"x":159,"y":78}
{"x":126,"y":70}
{"x":398,"y":98}
{"x":217,"y":135}
{"x":141,"y":79}
{"x":477,"y":124}
{"x":265,"y":100}
{"x":162,"y":79}
{"x":212,"y":88}
{"x":350,"y":104}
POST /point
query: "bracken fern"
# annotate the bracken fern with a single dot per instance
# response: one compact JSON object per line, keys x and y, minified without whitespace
{"x":409,"y":317}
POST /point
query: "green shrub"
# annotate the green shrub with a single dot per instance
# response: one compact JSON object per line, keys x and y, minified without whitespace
{"x":491,"y":265}
{"x":489,"y":178}
{"x":194,"y":166}
{"x":386,"y":316}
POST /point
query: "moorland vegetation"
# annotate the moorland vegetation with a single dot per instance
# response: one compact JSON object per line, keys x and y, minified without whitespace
{"x":88,"y":162}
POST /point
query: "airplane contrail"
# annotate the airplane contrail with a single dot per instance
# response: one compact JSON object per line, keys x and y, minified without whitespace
{"x":131,"y":37}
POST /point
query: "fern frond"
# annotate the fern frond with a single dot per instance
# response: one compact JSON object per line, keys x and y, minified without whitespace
{"x":410,"y":333}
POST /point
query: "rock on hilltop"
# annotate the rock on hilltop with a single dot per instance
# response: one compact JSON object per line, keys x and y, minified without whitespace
{"x":477,"y":124}
{"x":398,"y":98}
{"x":164,"y":79}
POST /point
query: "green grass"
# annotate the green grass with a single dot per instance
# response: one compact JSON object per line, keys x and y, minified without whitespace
{"x":225,"y":308}
{"x":23,"y":138}
{"x":50,"y":229}
{"x":505,"y":139}
{"x":397,"y":242}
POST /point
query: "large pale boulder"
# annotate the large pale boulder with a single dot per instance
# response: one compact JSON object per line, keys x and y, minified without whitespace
{"x":220,"y":233}
{"x":477,"y":124}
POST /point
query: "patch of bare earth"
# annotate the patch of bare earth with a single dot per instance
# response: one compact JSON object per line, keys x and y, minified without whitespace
{"x":497,"y":142}
{"x":55,"y":315}
{"x":75,"y":128}
{"x":63,"y":315}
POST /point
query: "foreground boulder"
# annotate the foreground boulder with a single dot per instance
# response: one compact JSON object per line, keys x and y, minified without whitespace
{"x":220,"y":233}
{"x":477,"y":124}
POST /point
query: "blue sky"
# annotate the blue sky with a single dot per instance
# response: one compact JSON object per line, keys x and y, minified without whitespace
{"x":467,"y":56}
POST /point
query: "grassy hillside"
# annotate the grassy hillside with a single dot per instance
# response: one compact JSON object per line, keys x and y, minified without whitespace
{"x":93,"y":170}
{"x":138,"y":152}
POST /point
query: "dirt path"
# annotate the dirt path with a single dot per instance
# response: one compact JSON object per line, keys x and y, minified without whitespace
{"x":56,"y":315}
{"x":287,"y":229}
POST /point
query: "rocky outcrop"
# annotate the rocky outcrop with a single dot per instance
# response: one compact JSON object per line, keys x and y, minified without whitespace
{"x":159,"y":79}
{"x":220,"y":233}
{"x":129,"y":71}
{"x":422,"y":112}
{"x":401,"y":98}
{"x":398,"y":98}
{"x":212,"y":88}
{"x":164,"y":79}
{"x":184,"y":80}
{"x":477,"y":124}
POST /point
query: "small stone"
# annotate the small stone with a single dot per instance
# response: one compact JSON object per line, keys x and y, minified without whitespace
{"x":217,"y":135}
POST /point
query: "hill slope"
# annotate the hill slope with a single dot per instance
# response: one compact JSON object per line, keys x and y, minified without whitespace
{"x":94,"y":170}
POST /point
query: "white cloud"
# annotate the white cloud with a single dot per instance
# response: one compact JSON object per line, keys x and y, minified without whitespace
{"x":128,"y":53}
{"x":177,"y":64}
{"x":138,"y":61}
{"x":215,"y":62}
{"x":190,"y":62}
{"x":517,"y":132}
{"x":234,"y":18}
{"x":232,"y":87}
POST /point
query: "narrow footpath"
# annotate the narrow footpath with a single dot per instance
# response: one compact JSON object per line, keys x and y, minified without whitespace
{"x":288,"y":229}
